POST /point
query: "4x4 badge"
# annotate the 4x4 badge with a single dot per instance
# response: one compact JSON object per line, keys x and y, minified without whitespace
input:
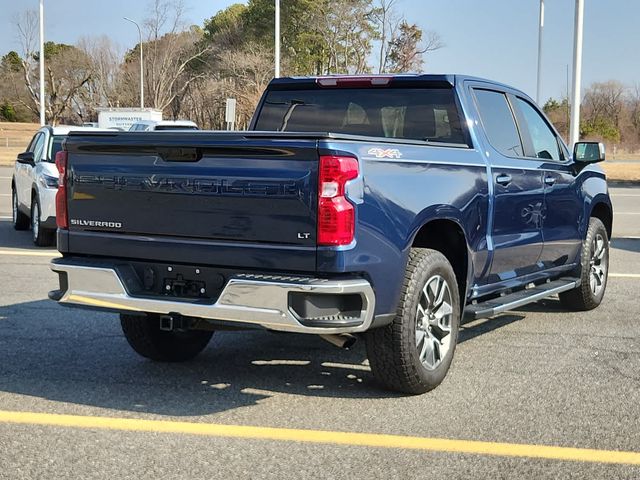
{"x":384,"y":152}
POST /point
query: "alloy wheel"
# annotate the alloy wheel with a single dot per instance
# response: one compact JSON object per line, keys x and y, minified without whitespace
{"x":598,"y":264}
{"x":433,"y":322}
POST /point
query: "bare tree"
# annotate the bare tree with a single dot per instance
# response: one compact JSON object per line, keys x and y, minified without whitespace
{"x":173,"y":55}
{"x":105,"y":57}
{"x":605,"y":100}
{"x":26,"y":24}
{"x":387,"y":21}
{"x":407,"y":49}
{"x":67,"y":71}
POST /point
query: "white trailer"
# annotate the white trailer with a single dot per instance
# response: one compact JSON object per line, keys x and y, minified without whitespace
{"x":123,"y":118}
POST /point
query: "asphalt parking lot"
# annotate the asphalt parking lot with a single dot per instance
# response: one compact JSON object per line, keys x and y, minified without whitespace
{"x":539,"y":377}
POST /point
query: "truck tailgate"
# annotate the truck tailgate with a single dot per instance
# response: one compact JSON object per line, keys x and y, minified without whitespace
{"x":191,"y":191}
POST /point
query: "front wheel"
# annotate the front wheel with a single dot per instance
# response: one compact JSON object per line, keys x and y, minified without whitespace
{"x":20,"y":220}
{"x":594,"y":268}
{"x":413,"y":353}
{"x":147,"y":339}
{"x":42,"y":237}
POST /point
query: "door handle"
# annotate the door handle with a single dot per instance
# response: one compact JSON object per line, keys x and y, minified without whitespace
{"x":503,"y":179}
{"x":549,"y":180}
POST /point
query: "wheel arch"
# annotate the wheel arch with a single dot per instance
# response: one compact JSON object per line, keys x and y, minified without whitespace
{"x":447,"y":236}
{"x":604,"y":213}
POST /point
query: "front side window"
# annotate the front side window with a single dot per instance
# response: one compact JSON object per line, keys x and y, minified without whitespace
{"x":545,"y":143}
{"x":498,"y":122}
{"x":38,"y":148}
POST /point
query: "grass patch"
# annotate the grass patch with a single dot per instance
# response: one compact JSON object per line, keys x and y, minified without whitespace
{"x":14,"y":139}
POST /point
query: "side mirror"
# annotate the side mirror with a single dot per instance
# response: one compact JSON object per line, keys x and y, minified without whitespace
{"x":26,"y":158}
{"x":588,"y":152}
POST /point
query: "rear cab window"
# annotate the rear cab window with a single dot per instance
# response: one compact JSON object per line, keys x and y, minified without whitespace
{"x":429,"y":114}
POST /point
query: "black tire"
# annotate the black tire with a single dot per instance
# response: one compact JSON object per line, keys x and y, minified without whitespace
{"x":42,"y":237}
{"x":146,"y":338}
{"x":594,"y":270}
{"x":20,"y":220}
{"x":393,"y":350}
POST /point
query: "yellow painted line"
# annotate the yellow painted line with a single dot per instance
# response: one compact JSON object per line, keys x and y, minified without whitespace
{"x":325,"y":437}
{"x":28,"y":253}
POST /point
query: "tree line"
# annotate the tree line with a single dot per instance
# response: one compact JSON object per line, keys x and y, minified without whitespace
{"x":610,"y":111}
{"x":189,"y":70}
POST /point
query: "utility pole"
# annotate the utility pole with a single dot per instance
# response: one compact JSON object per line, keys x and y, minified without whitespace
{"x":540,"y":28}
{"x":574,"y":135}
{"x":277,"y":40}
{"x":41,"y":59}
{"x":141,"y":62}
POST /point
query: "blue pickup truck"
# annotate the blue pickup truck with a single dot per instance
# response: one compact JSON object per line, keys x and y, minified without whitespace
{"x":387,"y":207}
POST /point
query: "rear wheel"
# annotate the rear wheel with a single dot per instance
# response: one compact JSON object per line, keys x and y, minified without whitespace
{"x":594,"y":266}
{"x":147,"y":339}
{"x":413,"y":353}
{"x":42,"y":237}
{"x":20,"y":220}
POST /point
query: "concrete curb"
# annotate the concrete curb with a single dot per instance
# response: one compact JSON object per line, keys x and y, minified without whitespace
{"x":623,"y":183}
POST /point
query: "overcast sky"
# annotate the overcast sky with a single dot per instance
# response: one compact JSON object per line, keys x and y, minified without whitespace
{"x":496,"y":39}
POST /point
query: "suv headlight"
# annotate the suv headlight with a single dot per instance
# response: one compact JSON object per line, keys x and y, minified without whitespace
{"x":48,"y":181}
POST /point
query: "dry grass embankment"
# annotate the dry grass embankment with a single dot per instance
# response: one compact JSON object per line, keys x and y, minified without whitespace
{"x":18,"y":135}
{"x":14,"y":138}
{"x":621,"y":171}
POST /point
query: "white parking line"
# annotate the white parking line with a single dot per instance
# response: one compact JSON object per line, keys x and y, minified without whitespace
{"x":624,"y":275}
{"x":5,"y":194}
{"x":625,"y":195}
{"x":28,"y":253}
{"x":626,"y":213}
{"x":5,"y":178}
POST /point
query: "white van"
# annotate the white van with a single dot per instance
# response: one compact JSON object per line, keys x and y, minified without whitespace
{"x":153,"y":125}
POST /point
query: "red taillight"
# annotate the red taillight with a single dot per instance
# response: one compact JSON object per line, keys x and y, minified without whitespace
{"x":336,"y":215}
{"x":61,"y":196}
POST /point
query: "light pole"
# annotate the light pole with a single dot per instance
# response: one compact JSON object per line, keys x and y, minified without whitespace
{"x":41,"y":59}
{"x":277,"y":40}
{"x":141,"y":62}
{"x":540,"y":28}
{"x":574,"y":131}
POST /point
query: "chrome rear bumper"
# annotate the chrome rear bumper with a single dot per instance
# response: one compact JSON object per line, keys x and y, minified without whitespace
{"x":246,"y":299}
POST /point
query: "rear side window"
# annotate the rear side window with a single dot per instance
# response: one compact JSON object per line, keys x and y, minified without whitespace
{"x":498,"y":122}
{"x":545,"y":143}
{"x":429,"y":114}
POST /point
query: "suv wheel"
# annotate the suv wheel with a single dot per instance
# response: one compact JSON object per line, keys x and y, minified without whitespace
{"x":147,"y":339}
{"x":413,"y":353}
{"x":20,"y":220}
{"x":42,"y":237}
{"x":594,"y":270}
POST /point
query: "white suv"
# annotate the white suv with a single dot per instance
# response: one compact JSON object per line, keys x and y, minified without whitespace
{"x":35,"y":183}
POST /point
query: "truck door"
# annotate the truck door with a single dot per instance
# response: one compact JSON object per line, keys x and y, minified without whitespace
{"x":563,"y":202}
{"x":518,"y":203}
